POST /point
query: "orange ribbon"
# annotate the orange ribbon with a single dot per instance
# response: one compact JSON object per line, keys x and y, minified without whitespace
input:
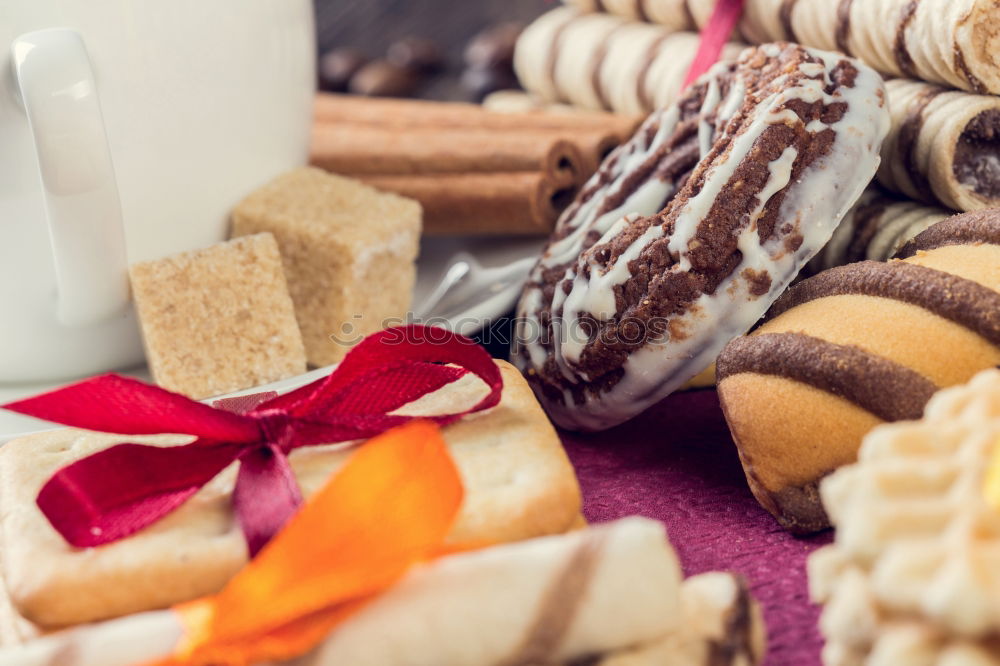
{"x":390,"y":507}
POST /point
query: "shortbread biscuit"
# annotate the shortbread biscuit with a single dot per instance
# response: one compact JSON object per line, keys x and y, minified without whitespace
{"x":914,"y":573}
{"x":856,"y":346}
{"x":519,"y":484}
{"x":689,"y":231}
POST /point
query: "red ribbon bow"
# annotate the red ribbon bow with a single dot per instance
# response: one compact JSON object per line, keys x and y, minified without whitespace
{"x":116,"y":492}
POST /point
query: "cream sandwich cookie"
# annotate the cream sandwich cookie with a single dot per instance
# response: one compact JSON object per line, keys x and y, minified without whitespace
{"x":690,"y":230}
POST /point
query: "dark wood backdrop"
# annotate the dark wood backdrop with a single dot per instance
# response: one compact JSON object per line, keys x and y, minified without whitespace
{"x":372,"y":25}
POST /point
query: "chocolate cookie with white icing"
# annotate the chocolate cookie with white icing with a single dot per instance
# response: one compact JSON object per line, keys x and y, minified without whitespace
{"x":854,"y":347}
{"x":689,"y":231}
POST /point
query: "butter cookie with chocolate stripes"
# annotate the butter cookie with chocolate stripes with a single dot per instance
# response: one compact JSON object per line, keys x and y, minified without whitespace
{"x":854,"y":347}
{"x":689,"y":231}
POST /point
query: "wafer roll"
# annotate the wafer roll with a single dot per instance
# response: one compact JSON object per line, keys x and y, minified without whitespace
{"x":875,"y":229}
{"x":944,"y":146}
{"x":951,"y":42}
{"x":548,"y":600}
{"x":673,"y":15}
{"x":854,"y":347}
{"x":721,"y":626}
{"x":600,"y":61}
{"x":955,"y":43}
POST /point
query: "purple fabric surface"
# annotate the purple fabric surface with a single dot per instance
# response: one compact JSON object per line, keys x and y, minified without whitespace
{"x":677,"y":463}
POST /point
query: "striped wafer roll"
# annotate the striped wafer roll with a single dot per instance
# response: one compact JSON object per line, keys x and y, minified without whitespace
{"x":944,"y":146}
{"x":721,"y":626}
{"x":674,"y":15}
{"x":538,"y":601}
{"x":854,"y":347}
{"x":952,"y":42}
{"x":609,"y":595}
{"x":875,"y":229}
{"x":601,"y":61}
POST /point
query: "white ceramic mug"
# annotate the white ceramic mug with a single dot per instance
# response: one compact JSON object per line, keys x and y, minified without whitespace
{"x":128,"y":130}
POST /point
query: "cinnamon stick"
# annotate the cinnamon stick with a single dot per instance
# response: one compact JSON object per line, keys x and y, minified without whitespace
{"x":484,"y":203}
{"x":385,"y":112}
{"x":374,"y":150}
{"x":474,"y":171}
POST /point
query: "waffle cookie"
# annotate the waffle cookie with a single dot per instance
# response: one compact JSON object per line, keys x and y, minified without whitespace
{"x":689,"y":231}
{"x":854,"y":347}
{"x":914,"y":574}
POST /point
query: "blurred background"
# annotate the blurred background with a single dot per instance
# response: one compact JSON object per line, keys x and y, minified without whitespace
{"x":368,"y":29}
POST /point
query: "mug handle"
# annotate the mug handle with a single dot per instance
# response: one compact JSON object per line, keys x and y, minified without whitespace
{"x":56,"y":84}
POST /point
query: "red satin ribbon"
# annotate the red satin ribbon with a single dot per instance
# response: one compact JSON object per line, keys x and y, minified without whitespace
{"x":116,"y":492}
{"x":714,"y":36}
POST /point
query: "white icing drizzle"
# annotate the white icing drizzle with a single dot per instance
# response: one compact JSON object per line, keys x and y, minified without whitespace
{"x":737,"y":93}
{"x":813,"y":206}
{"x":706,"y":130}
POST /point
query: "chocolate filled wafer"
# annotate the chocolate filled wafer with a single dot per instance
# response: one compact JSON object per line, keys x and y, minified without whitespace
{"x":854,"y":347}
{"x":689,"y":231}
{"x":944,"y":146}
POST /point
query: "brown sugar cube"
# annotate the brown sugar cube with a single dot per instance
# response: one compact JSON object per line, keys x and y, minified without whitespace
{"x":219,"y":319}
{"x":348,"y":251}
